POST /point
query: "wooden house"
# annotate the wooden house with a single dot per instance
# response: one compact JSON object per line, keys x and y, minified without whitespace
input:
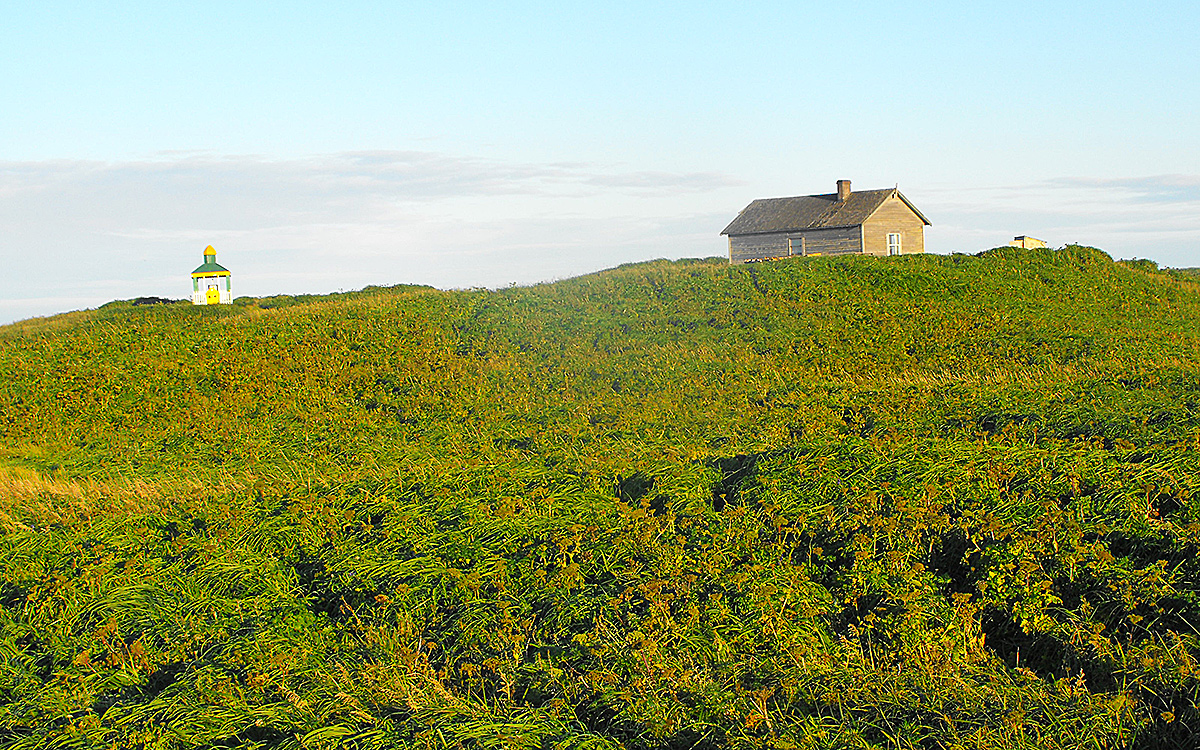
{"x":875,"y":222}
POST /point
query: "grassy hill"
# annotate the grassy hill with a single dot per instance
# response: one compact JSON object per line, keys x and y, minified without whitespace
{"x":922,"y":501}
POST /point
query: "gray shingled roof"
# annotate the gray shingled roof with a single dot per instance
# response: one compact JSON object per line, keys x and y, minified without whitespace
{"x":768,"y":215}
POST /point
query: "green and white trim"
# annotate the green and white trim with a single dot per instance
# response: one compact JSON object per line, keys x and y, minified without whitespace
{"x":212,"y":284}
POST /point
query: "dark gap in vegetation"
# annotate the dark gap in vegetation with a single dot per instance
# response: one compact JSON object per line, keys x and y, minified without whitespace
{"x":1164,"y":505}
{"x":1146,"y":550}
{"x":36,"y":657}
{"x":154,"y":683}
{"x":280,"y":508}
{"x":860,"y":615}
{"x":255,"y":736}
{"x":994,"y":424}
{"x":313,"y":577}
{"x":600,"y":718}
{"x":1174,"y":721}
{"x":737,"y":474}
{"x":387,"y":394}
{"x":756,"y":282}
{"x":12,"y":595}
{"x":1040,"y":653}
{"x":826,"y":550}
{"x":860,"y":421}
{"x":633,"y":488}
{"x":954,"y":557}
{"x":691,"y":739}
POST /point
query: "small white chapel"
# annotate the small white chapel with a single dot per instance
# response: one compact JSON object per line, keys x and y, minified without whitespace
{"x":211,"y":283}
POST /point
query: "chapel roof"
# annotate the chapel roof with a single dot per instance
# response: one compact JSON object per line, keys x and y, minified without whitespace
{"x":210,"y":265}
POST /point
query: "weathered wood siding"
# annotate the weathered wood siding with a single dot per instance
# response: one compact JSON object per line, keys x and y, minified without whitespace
{"x":893,"y":216}
{"x":829,"y":241}
{"x":749,"y":247}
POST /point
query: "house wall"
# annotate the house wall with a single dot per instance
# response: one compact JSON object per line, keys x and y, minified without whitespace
{"x":747,"y":247}
{"x":893,"y":216}
{"x":829,"y":241}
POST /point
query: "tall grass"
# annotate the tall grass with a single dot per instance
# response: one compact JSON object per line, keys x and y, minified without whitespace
{"x":907,"y":502}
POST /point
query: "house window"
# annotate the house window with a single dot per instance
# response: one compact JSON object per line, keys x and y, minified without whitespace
{"x":894,"y":244}
{"x":796,"y":246}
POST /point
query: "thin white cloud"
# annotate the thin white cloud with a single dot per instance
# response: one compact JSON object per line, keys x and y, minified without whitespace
{"x":83,"y":232}
{"x":693,"y":182}
{"x":408,"y":175}
{"x":1151,"y":217}
{"x":338,"y":221}
{"x":1168,"y":188}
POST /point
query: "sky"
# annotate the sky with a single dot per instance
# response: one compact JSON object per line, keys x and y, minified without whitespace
{"x":323,"y":147}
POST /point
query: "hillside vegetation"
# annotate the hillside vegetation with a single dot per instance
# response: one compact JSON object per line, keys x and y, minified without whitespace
{"x":911,"y":502}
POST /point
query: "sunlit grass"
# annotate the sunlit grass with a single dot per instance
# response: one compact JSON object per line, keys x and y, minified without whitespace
{"x":909,"y":502}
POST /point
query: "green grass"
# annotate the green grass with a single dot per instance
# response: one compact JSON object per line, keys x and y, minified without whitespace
{"x":913,"y":502}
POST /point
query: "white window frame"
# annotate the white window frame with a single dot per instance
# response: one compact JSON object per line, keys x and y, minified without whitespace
{"x":894,"y":243}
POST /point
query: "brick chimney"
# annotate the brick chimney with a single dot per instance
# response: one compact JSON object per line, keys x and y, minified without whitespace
{"x":843,"y":190}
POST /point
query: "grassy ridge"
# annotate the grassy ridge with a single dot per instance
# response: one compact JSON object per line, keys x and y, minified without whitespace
{"x":914,"y":502}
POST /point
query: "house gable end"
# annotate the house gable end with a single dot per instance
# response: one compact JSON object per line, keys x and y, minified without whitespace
{"x":894,"y":227}
{"x":897,"y":194}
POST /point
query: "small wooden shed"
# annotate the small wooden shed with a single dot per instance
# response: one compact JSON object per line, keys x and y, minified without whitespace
{"x":875,"y":222}
{"x":1027,"y":242}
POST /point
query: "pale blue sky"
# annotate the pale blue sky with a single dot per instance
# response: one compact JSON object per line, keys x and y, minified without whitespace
{"x":332,"y":146}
